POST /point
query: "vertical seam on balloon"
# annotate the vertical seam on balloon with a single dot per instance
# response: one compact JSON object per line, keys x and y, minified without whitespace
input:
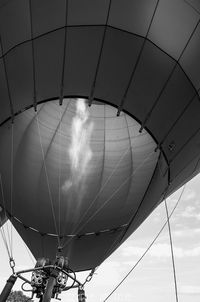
{"x":64,"y":54}
{"x":12,"y":185}
{"x":59,"y":179}
{"x":131,"y":156}
{"x":7,"y":83}
{"x":137,"y":61}
{"x":33,"y":57}
{"x":91,"y":96}
{"x":47,"y":179}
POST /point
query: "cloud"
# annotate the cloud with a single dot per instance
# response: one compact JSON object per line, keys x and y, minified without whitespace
{"x":186,"y":232}
{"x":108,"y":273}
{"x":189,"y":195}
{"x":190,"y":212}
{"x":189,"y":290}
{"x":161,"y":250}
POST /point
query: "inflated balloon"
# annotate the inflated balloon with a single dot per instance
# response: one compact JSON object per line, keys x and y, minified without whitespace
{"x":79,"y":179}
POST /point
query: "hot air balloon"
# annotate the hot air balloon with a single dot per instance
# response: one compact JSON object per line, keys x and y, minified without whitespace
{"x":99,"y":118}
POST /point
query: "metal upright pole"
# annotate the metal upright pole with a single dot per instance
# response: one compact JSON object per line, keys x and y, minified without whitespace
{"x":50,"y":285}
{"x":7,"y":288}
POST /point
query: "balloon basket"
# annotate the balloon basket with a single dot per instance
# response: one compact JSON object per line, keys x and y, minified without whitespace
{"x":47,"y":281}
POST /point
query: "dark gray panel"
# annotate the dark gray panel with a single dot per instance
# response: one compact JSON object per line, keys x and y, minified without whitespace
{"x":172,"y":26}
{"x":185,"y":174}
{"x":120,"y":52}
{"x":191,"y":58}
{"x":90,"y":251}
{"x":4,"y":99}
{"x":186,"y":156}
{"x":135,"y":16}
{"x":48,"y":62}
{"x":83,"y":47}
{"x":14,"y":23}
{"x":47,"y":15}
{"x":87,"y":12}
{"x":177,"y":94}
{"x":151,"y":74}
{"x":20,"y":76}
{"x":184,"y":129}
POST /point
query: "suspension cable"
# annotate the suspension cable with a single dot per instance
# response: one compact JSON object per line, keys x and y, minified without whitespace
{"x":148,"y":248}
{"x":4,"y":206}
{"x":4,"y":238}
{"x":47,"y":179}
{"x":11,"y":188}
{"x":7,"y":243}
{"x":172,"y":251}
{"x":59,"y":175}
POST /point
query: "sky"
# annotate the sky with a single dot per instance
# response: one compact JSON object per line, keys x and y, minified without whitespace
{"x":152,"y":280}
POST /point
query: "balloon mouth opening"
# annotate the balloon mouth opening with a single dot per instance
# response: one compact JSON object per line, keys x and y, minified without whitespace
{"x":77,"y":160}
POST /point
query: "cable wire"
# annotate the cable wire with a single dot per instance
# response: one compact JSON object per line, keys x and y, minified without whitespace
{"x":148,"y":248}
{"x":172,"y":251}
{"x":4,"y":206}
{"x":11,"y":188}
{"x":47,"y":179}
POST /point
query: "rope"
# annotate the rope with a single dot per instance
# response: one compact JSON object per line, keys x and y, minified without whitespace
{"x":8,"y":245}
{"x":148,"y":248}
{"x":4,"y":206}
{"x":47,"y":179}
{"x":4,"y":239}
{"x":11,"y":188}
{"x":59,"y":177}
{"x":172,"y":251}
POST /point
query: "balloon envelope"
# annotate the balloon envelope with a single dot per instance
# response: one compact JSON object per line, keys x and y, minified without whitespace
{"x":83,"y":174}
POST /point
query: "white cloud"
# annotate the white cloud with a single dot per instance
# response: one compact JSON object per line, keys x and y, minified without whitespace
{"x":189,"y":195}
{"x":186,"y":232}
{"x":190,"y":212}
{"x":189,"y":290}
{"x":108,"y":273}
{"x":161,"y":250}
